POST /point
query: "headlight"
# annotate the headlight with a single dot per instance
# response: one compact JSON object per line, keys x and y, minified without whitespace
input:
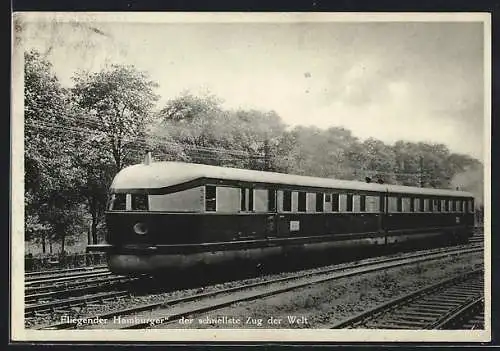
{"x":140,"y":228}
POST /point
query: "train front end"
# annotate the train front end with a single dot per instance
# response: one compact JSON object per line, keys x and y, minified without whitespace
{"x":143,"y":219}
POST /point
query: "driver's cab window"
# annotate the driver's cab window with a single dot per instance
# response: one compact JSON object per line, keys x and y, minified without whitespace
{"x":117,"y":202}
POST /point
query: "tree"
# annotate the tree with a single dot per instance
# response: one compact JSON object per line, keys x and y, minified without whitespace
{"x":98,"y":169}
{"x":51,"y":175}
{"x":119,"y":100}
{"x":116,"y":105}
{"x":257,"y":133}
{"x":331,"y":153}
{"x":189,"y":128}
{"x":188,"y":107}
{"x":378,"y":160}
{"x":409,"y":163}
{"x":200,"y":130}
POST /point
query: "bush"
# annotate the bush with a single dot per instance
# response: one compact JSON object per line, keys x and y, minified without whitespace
{"x":63,"y":261}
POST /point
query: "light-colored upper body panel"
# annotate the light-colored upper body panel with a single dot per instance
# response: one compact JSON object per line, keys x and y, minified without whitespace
{"x":165,"y":174}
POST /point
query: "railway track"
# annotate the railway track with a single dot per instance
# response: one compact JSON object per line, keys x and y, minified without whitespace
{"x":472,"y":318}
{"x":64,"y":276}
{"x":477,"y":237}
{"x":174,"y":309}
{"x":63,"y":306}
{"x":45,"y":294}
{"x":43,"y":291}
{"x":60,"y":272}
{"x":455,"y":303}
{"x":53,"y":290}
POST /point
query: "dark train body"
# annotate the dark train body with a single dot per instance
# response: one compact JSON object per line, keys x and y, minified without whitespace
{"x":169,"y":216}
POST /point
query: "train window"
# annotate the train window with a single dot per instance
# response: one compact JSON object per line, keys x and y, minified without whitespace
{"x":412,"y":205}
{"x":189,"y":200}
{"x":302,"y":202}
{"x":464,"y":206}
{"x":349,"y":200}
{"x":260,"y":200}
{"x":342,"y":202}
{"x":139,"y":202}
{"x":128,"y":202}
{"x":117,"y":202}
{"x":406,"y":204}
{"x":427,"y":205}
{"x":328,"y":198}
{"x":320,"y":205}
{"x":271,"y":200}
{"x":444,"y":206}
{"x":335,"y":202}
{"x":400,"y":204}
{"x":451,"y":205}
{"x":247,"y":202}
{"x":435,"y":205}
{"x":210,"y":198}
{"x":251,"y":205}
{"x":362,"y":203}
{"x":471,"y":206}
{"x":243,"y":199}
{"x":372,"y":204}
{"x":356,"y":205}
{"x":457,"y":206}
{"x":287,"y":200}
{"x":392,"y":205}
{"x":228,"y":199}
{"x":417,"y":205}
{"x":310,"y":202}
{"x":111,"y":200}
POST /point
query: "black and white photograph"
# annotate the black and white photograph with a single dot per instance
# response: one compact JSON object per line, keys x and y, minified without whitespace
{"x":251,"y":177}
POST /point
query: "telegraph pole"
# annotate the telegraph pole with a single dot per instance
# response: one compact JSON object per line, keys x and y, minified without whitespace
{"x":421,"y":175}
{"x":267,"y":156}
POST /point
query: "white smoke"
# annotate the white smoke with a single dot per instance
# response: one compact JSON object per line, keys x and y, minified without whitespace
{"x":471,"y":180}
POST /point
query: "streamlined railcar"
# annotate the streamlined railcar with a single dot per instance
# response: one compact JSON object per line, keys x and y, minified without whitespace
{"x":169,"y":216}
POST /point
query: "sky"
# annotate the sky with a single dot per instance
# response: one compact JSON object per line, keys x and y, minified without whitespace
{"x":414,"y":81}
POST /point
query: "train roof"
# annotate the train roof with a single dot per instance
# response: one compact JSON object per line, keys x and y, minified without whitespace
{"x":166,"y":174}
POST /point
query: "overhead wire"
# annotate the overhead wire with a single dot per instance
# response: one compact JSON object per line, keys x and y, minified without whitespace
{"x":83,"y":134}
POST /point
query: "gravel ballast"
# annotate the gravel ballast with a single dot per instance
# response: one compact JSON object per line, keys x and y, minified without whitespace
{"x":309,"y":302}
{"x":326,"y":304}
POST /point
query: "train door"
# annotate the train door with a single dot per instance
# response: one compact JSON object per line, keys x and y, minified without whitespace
{"x":284,"y":225}
{"x":384,"y":198}
{"x":284,"y":205}
{"x":272,"y":220}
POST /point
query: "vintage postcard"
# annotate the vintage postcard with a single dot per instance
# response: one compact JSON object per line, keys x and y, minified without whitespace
{"x":251,"y":177}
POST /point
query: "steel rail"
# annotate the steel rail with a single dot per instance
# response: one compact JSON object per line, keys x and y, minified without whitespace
{"x":78,"y":288}
{"x":35,"y":274}
{"x":412,"y":310}
{"x":46,"y":281}
{"x":295,"y":282}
